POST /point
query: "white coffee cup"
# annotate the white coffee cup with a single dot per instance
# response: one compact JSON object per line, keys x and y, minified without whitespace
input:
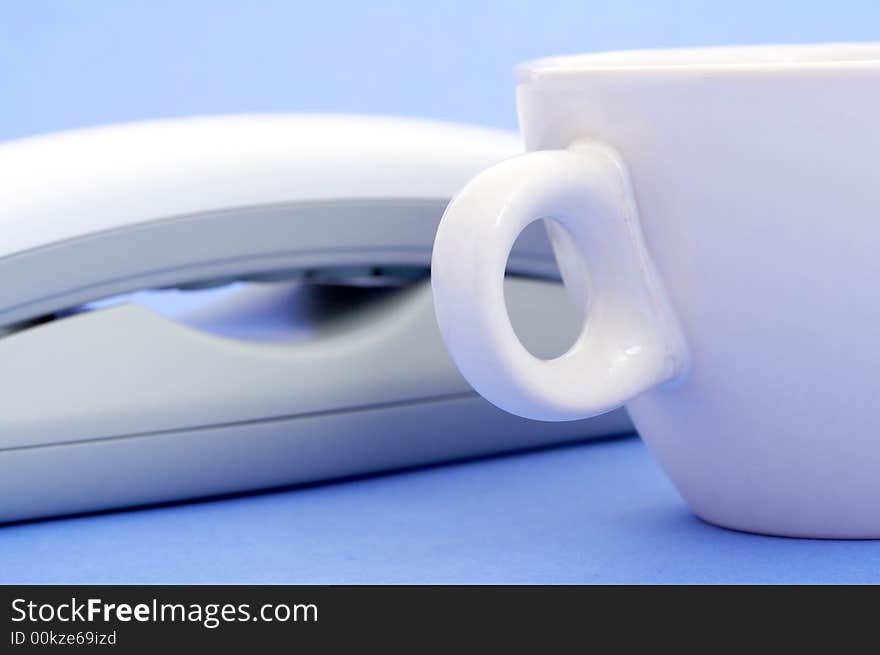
{"x":717,"y":214}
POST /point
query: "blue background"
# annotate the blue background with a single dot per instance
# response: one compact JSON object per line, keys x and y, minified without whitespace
{"x":590,"y":513}
{"x":70,"y":64}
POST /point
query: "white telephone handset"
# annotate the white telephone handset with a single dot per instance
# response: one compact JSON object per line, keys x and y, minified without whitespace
{"x":101,"y":404}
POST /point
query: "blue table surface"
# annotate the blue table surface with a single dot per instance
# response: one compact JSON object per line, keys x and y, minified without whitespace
{"x":599,"y":512}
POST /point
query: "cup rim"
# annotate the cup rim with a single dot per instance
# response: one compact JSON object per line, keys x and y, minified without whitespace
{"x":714,"y":59}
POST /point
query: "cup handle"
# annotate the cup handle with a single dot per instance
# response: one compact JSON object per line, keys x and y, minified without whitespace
{"x":631,"y":340}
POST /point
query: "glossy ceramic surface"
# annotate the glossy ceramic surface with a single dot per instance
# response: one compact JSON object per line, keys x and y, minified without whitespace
{"x":744,"y":213}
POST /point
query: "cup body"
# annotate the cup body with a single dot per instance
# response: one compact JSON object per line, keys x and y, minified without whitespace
{"x":756,"y":172}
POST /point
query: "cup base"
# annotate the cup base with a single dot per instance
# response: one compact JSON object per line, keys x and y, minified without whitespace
{"x":786,"y":530}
